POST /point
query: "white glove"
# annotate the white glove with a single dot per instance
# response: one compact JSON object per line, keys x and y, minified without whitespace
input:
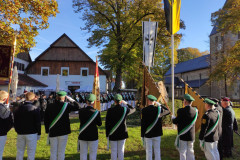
{"x":38,"y":137}
{"x":70,"y":99}
{"x":124,"y":102}
{"x":173,"y":117}
{"x":158,"y":104}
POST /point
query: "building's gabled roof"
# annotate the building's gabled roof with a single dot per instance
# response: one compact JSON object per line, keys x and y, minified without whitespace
{"x":168,"y":80}
{"x":24,"y":56}
{"x":191,"y":83}
{"x":194,"y":83}
{"x":191,"y":65}
{"x":63,"y":49}
{"x":24,"y":80}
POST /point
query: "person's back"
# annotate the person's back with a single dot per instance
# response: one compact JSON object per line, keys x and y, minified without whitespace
{"x":27,"y":119}
{"x":57,"y":124}
{"x":27,"y":123}
{"x":6,"y":121}
{"x":186,"y":116}
{"x":185,"y":120}
{"x":90,"y":118}
{"x":63,"y":125}
{"x":91,"y":132}
{"x":116,"y":128}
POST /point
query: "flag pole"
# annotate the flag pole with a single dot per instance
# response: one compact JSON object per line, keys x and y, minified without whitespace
{"x":149,"y":68}
{"x":172,"y":39}
{"x":11,"y":68}
{"x":172,"y":47}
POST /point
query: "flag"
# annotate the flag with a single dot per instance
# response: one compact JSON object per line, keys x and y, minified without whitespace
{"x":163,"y":91}
{"x":172,"y":14}
{"x":198,"y":103}
{"x":96,"y":88}
{"x":149,"y":87}
{"x":149,"y":30}
{"x":5,"y":60}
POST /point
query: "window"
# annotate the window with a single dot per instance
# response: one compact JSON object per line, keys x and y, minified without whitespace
{"x":84,"y":71}
{"x":64,"y":71}
{"x":45,"y":71}
{"x":20,"y":66}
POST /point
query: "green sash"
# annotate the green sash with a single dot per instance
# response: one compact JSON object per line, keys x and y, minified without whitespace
{"x":149,"y":128}
{"x":83,"y":127}
{"x":55,"y":120}
{"x":185,"y":130}
{"x":116,"y":126}
{"x":210,"y":130}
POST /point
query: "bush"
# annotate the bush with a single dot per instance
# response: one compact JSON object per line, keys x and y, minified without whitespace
{"x":167,"y":119}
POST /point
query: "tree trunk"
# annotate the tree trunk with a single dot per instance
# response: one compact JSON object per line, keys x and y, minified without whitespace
{"x":225,"y":81}
{"x":118,"y":80}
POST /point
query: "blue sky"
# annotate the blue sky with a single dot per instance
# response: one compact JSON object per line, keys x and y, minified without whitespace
{"x":195,"y":13}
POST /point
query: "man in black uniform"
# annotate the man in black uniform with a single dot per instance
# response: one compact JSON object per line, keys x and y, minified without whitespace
{"x":220,"y":110}
{"x":185,"y":120}
{"x":209,"y":131}
{"x":6,"y":121}
{"x":57,"y":124}
{"x":27,"y":123}
{"x":50,"y":99}
{"x":88,"y":136}
{"x":116,"y":128}
{"x":151,"y":126}
{"x":227,"y":127}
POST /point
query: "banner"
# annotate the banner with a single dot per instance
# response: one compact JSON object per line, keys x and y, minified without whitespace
{"x":149,"y":87}
{"x":96,"y":88}
{"x":198,"y":103}
{"x":172,"y":14}
{"x":149,"y":30}
{"x":164,"y":95}
{"x":5,"y":60}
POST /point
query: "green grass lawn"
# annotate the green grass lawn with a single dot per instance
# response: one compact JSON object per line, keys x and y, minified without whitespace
{"x":133,"y":148}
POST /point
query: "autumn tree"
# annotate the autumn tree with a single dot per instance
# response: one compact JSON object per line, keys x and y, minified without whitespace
{"x":227,"y":21}
{"x":23,"y":19}
{"x":185,"y":54}
{"x":117,"y":26}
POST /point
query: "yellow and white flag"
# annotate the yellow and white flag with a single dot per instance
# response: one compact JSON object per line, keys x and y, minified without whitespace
{"x":96,"y":88}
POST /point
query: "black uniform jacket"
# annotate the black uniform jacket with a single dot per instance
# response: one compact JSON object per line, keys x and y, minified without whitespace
{"x":62,"y":127}
{"x":184,"y":117}
{"x":149,"y":115}
{"x":209,"y":119}
{"x":114,"y":114}
{"x":6,"y":122}
{"x":91,"y":132}
{"x":227,"y":127}
{"x":27,"y":119}
{"x":220,"y":110}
